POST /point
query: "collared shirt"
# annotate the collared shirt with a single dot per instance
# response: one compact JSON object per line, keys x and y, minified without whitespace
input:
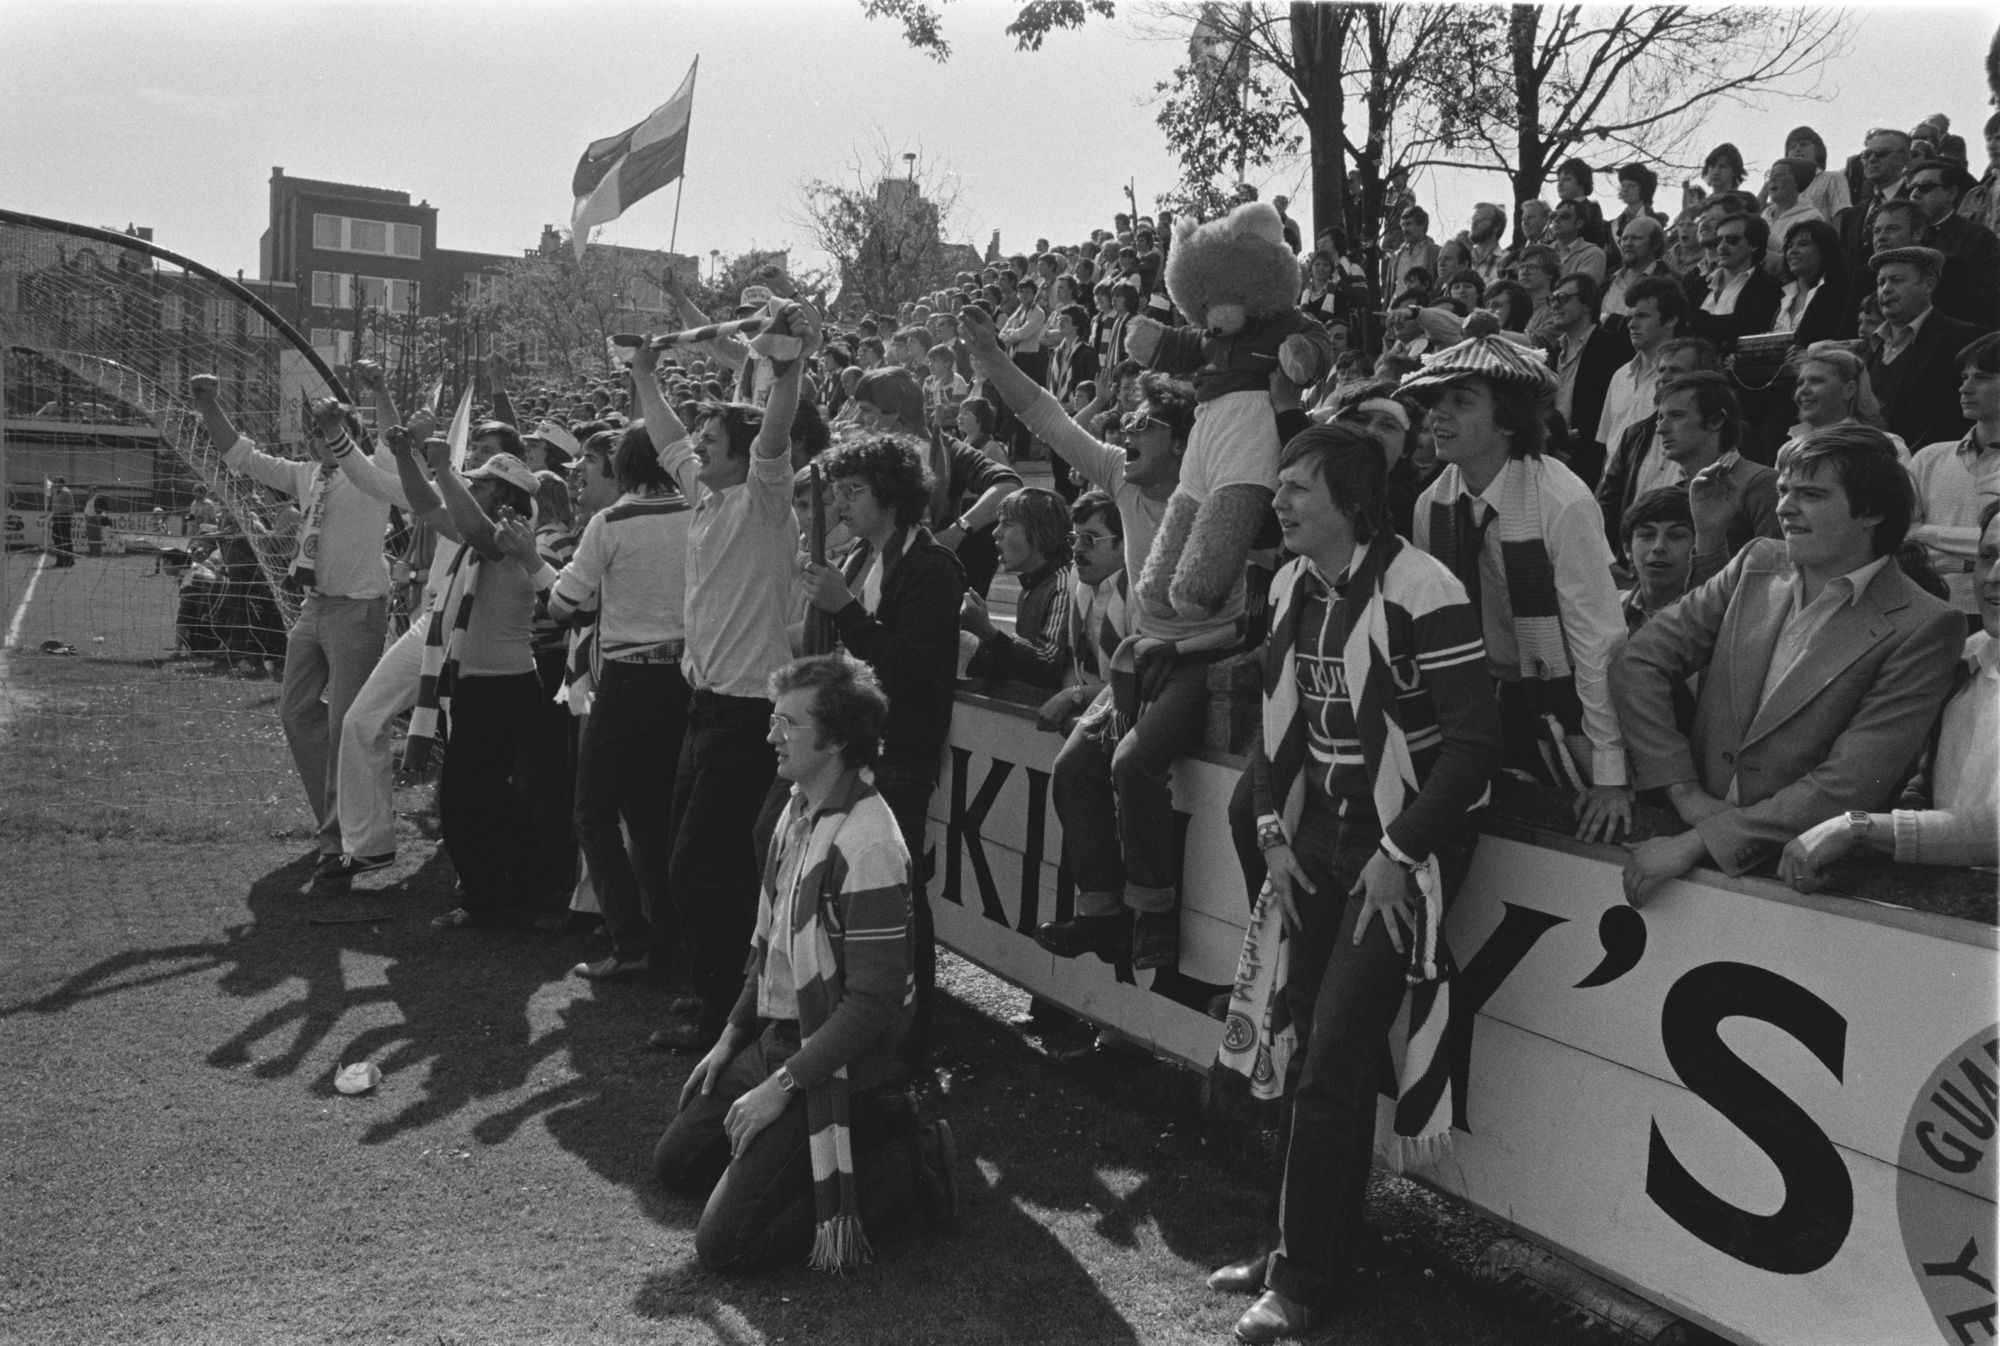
{"x":1487,"y":265}
{"x":742,"y":554}
{"x":1628,"y":399}
{"x":1798,"y":298}
{"x":1959,"y":826}
{"x":348,"y":560}
{"x":1723,"y":289}
{"x":1806,"y":620}
{"x":1953,"y":480}
{"x":1623,"y":279}
{"x":1580,"y":255}
{"x":1593,"y":625}
{"x":1896,"y":337}
{"x":777,"y":987}
{"x":1569,"y":356}
{"x":633,"y":558}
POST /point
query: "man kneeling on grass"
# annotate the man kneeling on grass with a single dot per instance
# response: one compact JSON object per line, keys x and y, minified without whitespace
{"x":794,"y":1118}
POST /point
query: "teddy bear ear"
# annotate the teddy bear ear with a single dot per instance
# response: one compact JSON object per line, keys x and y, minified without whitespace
{"x":1257,"y":219}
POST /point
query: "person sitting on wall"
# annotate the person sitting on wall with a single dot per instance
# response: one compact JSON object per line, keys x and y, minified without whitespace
{"x":1948,"y":815}
{"x":1379,"y":732}
{"x":790,"y":1124}
{"x":1032,"y":534}
{"x":1824,"y":666}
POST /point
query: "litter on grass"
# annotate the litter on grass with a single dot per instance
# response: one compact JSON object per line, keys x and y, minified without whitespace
{"x":358,"y":1078}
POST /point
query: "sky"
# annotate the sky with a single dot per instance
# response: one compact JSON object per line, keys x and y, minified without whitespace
{"x":173,"y":114}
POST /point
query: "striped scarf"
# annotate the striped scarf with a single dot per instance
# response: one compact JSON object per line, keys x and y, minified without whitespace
{"x":451,"y":613}
{"x":816,"y":944}
{"x":1531,"y":578}
{"x":1257,"y":1039}
{"x":304,"y":569}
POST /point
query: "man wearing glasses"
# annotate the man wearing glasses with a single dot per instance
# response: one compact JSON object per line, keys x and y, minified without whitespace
{"x":1970,"y":287}
{"x":1885,"y":163}
{"x":1743,"y":298}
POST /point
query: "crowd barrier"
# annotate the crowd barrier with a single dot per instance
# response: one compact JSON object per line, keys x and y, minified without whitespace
{"x":1771,"y":1113}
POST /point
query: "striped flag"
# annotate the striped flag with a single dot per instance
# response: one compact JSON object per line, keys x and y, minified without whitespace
{"x":618,"y":170}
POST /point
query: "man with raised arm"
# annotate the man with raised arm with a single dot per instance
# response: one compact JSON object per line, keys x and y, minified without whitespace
{"x":742,"y":545}
{"x":341,"y":570}
{"x":1110,"y":779}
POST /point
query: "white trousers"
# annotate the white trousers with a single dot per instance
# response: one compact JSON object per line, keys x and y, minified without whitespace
{"x":367,"y":794}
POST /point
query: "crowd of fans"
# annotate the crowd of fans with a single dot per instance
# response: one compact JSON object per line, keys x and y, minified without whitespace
{"x":1702,"y":504}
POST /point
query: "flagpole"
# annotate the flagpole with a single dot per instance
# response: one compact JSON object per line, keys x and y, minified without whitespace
{"x":680,"y":183}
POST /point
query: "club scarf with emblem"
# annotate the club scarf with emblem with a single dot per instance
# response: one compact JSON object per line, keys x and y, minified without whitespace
{"x":1258,"y":1039}
{"x":850,"y":906}
{"x":451,"y":613}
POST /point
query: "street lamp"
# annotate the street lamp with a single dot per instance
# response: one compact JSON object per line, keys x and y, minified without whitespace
{"x":910,"y":165}
{"x":714,"y":264}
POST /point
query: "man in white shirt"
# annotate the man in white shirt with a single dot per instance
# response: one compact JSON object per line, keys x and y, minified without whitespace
{"x":344,"y":618}
{"x":1642,"y":250}
{"x":1489,"y":225}
{"x":1956,"y":479}
{"x":742,"y":550}
{"x":1573,"y":252}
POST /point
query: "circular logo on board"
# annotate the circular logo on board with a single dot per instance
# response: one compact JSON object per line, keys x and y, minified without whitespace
{"x":1945,"y":1189}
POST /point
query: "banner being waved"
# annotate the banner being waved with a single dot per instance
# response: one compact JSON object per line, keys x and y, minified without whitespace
{"x":618,"y":170}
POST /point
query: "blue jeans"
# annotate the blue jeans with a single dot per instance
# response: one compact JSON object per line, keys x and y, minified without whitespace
{"x":1117,"y":807}
{"x":625,"y":769}
{"x":760,"y":1203}
{"x":1344,"y":999}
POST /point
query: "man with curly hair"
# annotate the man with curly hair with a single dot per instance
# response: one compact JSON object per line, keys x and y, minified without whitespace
{"x":895,"y":605}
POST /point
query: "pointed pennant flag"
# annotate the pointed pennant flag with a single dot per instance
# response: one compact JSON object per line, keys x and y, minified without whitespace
{"x":436,"y":394}
{"x":460,"y":435}
{"x":618,"y":170}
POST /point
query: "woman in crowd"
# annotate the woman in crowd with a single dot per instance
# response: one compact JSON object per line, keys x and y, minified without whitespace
{"x":1833,"y":389}
{"x":1815,"y":307}
{"x":1784,"y":183}
{"x":1723,"y":170}
{"x":1827,"y":192}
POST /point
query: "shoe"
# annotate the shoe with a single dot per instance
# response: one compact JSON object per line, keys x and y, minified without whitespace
{"x":460,"y":918}
{"x":1272,"y":1317}
{"x":1156,"y":939}
{"x":1109,"y":937}
{"x":935,"y":1153}
{"x":1244,"y":1276}
{"x":339,"y":868}
{"x":683,"y":1037}
{"x":614,"y":968}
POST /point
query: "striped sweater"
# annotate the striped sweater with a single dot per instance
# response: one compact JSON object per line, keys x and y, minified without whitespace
{"x":1444,"y":707}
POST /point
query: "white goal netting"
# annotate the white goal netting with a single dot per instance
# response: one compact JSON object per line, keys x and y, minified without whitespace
{"x":143,"y":620}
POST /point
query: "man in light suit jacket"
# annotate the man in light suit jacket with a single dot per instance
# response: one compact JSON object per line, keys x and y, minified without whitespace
{"x":1824,"y":669}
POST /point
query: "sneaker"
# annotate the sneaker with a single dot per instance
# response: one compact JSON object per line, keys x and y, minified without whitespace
{"x":613,"y":968}
{"x":339,"y":868}
{"x":1109,"y":937}
{"x":935,"y":1154}
{"x":1156,"y":939}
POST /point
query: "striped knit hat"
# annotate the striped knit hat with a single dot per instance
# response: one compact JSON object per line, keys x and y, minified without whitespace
{"x":1487,"y":357}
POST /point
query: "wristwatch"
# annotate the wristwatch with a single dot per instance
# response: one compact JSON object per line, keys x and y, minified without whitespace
{"x":783,"y":1075}
{"x":1860,"y":822}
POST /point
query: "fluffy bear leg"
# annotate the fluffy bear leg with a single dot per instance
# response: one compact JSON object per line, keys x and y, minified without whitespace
{"x":1217,"y":547}
{"x":1156,"y":577}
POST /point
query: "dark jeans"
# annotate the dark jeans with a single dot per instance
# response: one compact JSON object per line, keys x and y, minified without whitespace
{"x":487,"y":831}
{"x":62,"y":539}
{"x":725,"y":768}
{"x":760,"y":1203}
{"x":625,"y":770}
{"x":1343,"y":999}
{"x":545,"y":776}
{"x":1117,"y":808}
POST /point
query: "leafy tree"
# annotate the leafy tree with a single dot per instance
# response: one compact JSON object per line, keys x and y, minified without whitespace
{"x":560,"y":313}
{"x":884,"y":226}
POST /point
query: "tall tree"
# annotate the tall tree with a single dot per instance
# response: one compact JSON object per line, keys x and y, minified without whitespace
{"x":559,"y":313}
{"x":883,"y":223}
{"x":1636,"y":81}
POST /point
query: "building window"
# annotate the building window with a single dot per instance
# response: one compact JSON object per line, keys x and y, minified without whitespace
{"x":333,"y":289}
{"x":333,"y":346}
{"x":339,"y":233}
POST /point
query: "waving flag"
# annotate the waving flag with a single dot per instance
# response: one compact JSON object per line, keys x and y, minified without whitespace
{"x":618,"y":170}
{"x":460,"y":434}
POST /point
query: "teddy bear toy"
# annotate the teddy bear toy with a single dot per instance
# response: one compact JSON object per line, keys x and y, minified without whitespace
{"x":1237,"y":284}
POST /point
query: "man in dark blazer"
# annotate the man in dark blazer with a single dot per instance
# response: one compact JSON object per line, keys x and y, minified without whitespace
{"x":1742,"y":298}
{"x":1913,"y":359}
{"x":1969,"y":286}
{"x":1823,"y":667}
{"x":1585,"y":356}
